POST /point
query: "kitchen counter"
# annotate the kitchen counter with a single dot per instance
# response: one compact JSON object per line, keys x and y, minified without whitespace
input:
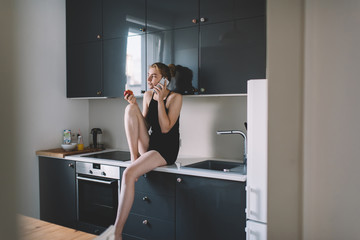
{"x":178,"y":168}
{"x":61,"y":153}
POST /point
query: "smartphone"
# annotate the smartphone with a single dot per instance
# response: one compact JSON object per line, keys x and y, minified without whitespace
{"x":162,"y":81}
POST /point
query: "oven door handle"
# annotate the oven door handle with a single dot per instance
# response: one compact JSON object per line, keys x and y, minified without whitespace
{"x":95,"y":180}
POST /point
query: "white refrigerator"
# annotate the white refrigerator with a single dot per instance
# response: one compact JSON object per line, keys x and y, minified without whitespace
{"x":256,"y":186}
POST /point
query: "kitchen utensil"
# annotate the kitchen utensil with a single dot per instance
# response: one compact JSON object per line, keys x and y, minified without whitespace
{"x":96,"y":137}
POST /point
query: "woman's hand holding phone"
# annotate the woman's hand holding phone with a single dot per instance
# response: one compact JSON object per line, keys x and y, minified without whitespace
{"x":161,"y":87}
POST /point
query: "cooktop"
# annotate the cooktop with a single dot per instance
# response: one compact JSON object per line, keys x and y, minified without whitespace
{"x":114,"y":155}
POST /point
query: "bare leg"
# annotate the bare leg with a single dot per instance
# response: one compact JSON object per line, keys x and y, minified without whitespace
{"x":136,"y":131}
{"x":145,"y":163}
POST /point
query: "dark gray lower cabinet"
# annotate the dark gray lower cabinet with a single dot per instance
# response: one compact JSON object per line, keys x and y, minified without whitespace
{"x":57,"y":191}
{"x":153,"y":213}
{"x":166,"y":206}
{"x":210,"y":209}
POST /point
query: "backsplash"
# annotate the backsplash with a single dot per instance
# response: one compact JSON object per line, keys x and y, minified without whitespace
{"x":201,"y":117}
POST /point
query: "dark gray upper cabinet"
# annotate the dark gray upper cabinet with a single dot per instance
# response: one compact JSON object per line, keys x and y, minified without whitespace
{"x":84,"y":74}
{"x":232,"y":53}
{"x":83,"y":20}
{"x":97,"y":36}
{"x":229,"y":10}
{"x":216,"y":45}
{"x":180,"y":47}
{"x":171,"y":14}
{"x":123,"y":18}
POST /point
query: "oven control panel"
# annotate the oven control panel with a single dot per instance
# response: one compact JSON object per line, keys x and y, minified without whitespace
{"x":99,"y":170}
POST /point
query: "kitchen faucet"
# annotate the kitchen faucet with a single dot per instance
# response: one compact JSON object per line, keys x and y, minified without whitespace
{"x":235,"y":132}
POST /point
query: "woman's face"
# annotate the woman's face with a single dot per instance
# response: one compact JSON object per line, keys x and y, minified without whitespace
{"x":154,"y":77}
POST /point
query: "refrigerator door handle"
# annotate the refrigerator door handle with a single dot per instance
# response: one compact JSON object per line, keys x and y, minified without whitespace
{"x":250,"y":191}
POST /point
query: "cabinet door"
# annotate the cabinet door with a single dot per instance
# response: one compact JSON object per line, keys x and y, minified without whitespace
{"x":178,"y":47}
{"x":229,"y":10}
{"x":84,"y":78}
{"x":171,"y":14}
{"x":209,"y":209}
{"x":83,"y":20}
{"x":122,"y":17}
{"x":232,"y":53}
{"x":57,"y":191}
{"x":114,"y":66}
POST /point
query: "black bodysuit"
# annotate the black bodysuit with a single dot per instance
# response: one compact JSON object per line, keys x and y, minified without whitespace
{"x":167,"y":144}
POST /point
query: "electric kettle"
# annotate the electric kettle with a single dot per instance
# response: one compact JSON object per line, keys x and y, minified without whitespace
{"x":96,"y":137}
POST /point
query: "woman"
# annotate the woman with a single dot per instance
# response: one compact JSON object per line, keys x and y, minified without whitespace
{"x":160,"y":117}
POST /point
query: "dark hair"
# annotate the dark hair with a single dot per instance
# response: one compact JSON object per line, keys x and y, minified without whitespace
{"x":164,"y":70}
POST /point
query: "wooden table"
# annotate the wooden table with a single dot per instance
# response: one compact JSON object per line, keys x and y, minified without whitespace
{"x":35,"y":229}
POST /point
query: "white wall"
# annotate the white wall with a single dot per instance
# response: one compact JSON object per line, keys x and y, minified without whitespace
{"x":332,"y":117}
{"x":41,"y":108}
{"x":313,"y":71}
{"x":199,"y":120}
{"x":285,"y":76}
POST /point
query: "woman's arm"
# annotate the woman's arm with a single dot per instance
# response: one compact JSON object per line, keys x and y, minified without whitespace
{"x":146,"y":101}
{"x":167,"y":121}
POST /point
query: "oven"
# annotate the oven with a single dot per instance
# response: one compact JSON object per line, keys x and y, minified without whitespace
{"x":98,"y":188}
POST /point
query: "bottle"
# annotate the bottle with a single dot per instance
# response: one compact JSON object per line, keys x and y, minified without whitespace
{"x":80,"y":145}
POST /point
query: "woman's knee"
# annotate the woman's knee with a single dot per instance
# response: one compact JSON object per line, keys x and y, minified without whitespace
{"x":131,"y":110}
{"x":129,"y":175}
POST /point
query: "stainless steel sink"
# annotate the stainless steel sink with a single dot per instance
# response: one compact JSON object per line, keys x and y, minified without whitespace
{"x":219,"y":166}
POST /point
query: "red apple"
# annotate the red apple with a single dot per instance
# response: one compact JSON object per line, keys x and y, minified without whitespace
{"x":128,"y":92}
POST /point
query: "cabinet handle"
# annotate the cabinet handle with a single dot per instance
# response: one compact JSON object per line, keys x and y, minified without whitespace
{"x":71,"y":165}
{"x":98,"y":93}
{"x":179,"y":180}
{"x":203,"y":19}
{"x":145,"y":222}
{"x":194,"y":20}
{"x":145,"y":198}
{"x":98,"y":36}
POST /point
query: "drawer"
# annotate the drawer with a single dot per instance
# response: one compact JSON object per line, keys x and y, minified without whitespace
{"x":158,"y":206}
{"x":149,"y":228}
{"x":129,"y":237}
{"x":156,"y":183}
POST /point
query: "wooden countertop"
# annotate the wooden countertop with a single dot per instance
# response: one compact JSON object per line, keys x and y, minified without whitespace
{"x":61,"y":153}
{"x":35,"y":229}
